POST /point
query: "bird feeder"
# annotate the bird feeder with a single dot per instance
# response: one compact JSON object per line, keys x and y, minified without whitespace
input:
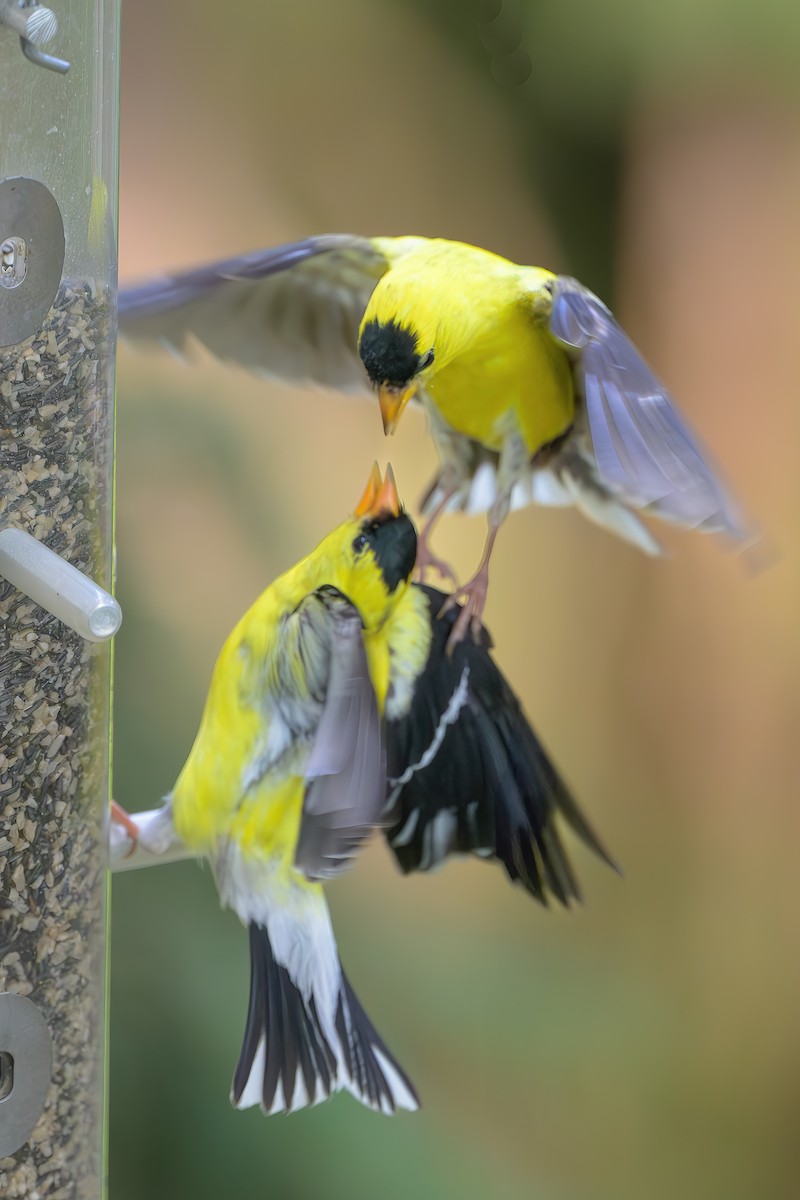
{"x":58,"y":165}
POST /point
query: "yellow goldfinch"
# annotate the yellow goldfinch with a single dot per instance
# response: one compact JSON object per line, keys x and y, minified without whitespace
{"x":286,"y":777}
{"x":334,"y":707}
{"x":533,"y":391}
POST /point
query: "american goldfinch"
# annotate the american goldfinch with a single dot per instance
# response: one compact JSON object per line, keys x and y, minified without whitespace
{"x":533,"y":391}
{"x":286,"y":777}
{"x":334,"y":707}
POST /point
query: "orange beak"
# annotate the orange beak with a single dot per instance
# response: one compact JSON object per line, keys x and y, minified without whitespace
{"x":380,"y":496}
{"x":392,"y":402}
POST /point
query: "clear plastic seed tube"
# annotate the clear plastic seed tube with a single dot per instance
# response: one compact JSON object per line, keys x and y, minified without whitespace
{"x":58,"y":165}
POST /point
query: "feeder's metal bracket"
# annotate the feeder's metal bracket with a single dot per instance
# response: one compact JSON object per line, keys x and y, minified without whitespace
{"x":31,"y":257}
{"x":36,"y":27}
{"x":25,"y":1066}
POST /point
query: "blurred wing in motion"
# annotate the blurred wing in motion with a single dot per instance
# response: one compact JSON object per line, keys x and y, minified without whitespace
{"x":467,"y":773}
{"x":645,"y":452}
{"x":292,"y":312}
{"x":346,"y":770}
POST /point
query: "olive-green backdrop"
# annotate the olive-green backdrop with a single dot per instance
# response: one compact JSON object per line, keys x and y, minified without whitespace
{"x":645,"y":1046}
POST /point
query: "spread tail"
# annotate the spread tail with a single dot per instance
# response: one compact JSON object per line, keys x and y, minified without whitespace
{"x":307,"y":1036}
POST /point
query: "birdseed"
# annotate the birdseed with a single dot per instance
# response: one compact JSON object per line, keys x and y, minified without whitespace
{"x":55,"y":446}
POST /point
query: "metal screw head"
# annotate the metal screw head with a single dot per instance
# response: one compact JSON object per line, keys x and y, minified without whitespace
{"x":25,"y":1066}
{"x":13,"y":262}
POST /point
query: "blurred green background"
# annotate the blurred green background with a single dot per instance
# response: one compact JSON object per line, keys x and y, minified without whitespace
{"x":645,"y":1045}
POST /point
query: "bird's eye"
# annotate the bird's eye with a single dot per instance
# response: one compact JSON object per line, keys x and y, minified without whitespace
{"x":426,"y":361}
{"x":360,"y":543}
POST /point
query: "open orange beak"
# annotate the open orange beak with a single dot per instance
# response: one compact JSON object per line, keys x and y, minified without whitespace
{"x":393,"y":401}
{"x":380,"y":496}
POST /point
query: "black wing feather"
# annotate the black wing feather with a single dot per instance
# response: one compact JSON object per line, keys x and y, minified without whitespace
{"x":489,"y":788}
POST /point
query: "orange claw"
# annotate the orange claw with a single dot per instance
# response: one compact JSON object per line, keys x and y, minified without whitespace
{"x":428,"y":561}
{"x":474,"y":596}
{"x":474,"y":602}
{"x":127,"y":822}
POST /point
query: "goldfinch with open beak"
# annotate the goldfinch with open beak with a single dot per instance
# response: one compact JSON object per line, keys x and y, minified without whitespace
{"x":533,"y":391}
{"x":335,"y":707}
{"x":285,"y":780}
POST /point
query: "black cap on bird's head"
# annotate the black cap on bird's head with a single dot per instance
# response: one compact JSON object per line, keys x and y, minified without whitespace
{"x":389,"y":353}
{"x":386,"y":529}
{"x":392,"y":358}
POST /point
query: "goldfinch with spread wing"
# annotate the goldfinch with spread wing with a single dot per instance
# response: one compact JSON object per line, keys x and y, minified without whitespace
{"x":286,"y":778}
{"x":533,"y":391}
{"x":335,"y":706}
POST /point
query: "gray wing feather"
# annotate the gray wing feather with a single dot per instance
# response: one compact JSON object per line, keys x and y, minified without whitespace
{"x":645,"y":452}
{"x":346,"y":769}
{"x":292,"y":312}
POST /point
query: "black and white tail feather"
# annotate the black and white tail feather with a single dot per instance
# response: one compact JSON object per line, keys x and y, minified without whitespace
{"x":307,"y":1036}
{"x":468,"y":774}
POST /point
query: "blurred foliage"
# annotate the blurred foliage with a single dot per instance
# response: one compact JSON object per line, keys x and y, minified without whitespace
{"x":646,"y":1045}
{"x":569,"y":129}
{"x":571,"y":74}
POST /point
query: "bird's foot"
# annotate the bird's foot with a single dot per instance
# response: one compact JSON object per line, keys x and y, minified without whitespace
{"x":472,"y":597}
{"x":120,"y":817}
{"x":428,"y":561}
